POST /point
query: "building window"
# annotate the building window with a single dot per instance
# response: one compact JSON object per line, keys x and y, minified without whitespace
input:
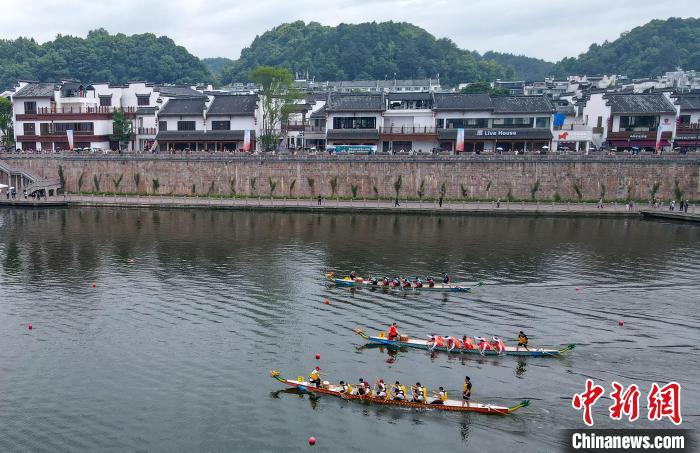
{"x":542,"y":121}
{"x":600,"y":121}
{"x":348,"y":122}
{"x":684,"y":119}
{"x":513,"y":122}
{"x":143,"y":100}
{"x":185,"y":125}
{"x":638,"y":123}
{"x":162,"y":126}
{"x":30,"y":107}
{"x":61,"y":128}
{"x":105,"y":101}
{"x":29,"y":129}
{"x":221,"y":125}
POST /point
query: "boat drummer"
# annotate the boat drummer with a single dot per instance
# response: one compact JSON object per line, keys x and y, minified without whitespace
{"x":315,"y":377}
{"x":522,"y":341}
{"x":393,"y":332}
{"x":467,"y":391}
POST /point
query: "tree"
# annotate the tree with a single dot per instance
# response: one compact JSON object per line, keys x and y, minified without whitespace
{"x":6,"y":122}
{"x":277,"y":94}
{"x":484,"y":87}
{"x":397,"y":185}
{"x":121,"y":129}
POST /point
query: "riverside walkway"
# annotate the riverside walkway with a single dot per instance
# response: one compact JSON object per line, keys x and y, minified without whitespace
{"x":327,"y":205}
{"x":450,"y":207}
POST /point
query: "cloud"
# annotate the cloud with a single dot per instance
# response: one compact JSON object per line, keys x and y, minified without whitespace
{"x":549,"y":29}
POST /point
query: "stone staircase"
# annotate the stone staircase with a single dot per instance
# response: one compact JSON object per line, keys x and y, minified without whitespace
{"x":24,"y":179}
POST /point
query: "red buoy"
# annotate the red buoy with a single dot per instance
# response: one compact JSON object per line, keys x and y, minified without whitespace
{"x":327,"y":302}
{"x":94,"y":285}
{"x":29,"y":326}
{"x":621,"y":323}
{"x":318,"y":356}
{"x":312,"y":440}
{"x":578,"y":289}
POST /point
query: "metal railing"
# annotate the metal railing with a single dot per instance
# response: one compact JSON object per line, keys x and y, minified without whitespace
{"x":146,"y":131}
{"x":77,"y":110}
{"x":408,"y":130}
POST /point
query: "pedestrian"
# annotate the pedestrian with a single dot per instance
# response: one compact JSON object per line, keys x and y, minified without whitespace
{"x":440,"y":201}
{"x":685,"y":208}
{"x":320,"y":199}
{"x":498,"y":202}
{"x":396,"y":202}
{"x":600,"y":204}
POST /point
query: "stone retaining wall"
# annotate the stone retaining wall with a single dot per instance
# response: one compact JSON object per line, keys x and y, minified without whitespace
{"x":462,"y":178}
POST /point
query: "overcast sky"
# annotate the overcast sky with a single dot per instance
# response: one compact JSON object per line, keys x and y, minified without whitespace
{"x":549,"y":29}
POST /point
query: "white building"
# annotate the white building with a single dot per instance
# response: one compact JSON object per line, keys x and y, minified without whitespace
{"x":216,"y":123}
{"x":631,"y":121}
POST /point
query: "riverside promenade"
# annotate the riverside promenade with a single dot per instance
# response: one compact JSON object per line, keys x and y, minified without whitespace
{"x":451,"y":207}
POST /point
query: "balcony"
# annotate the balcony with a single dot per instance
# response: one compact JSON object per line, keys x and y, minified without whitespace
{"x":146,"y":131}
{"x":408,"y":130}
{"x":73,"y":112}
{"x":687,"y":127}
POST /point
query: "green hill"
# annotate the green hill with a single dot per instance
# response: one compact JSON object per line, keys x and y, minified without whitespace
{"x":216,"y":64}
{"x":100,"y":57}
{"x":645,"y":51}
{"x":363,"y":51}
{"x":526,"y":68}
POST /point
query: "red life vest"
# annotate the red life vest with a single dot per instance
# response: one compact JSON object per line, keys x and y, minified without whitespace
{"x":393,"y":332}
{"x":439,"y":341}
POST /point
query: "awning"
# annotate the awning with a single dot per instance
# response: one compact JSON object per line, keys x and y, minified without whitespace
{"x":200,"y":136}
{"x":687,"y":142}
{"x":637,"y":143}
{"x":352,"y":134}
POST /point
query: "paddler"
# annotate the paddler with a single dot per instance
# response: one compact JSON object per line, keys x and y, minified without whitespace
{"x":362,"y":387}
{"x":315,"y":377}
{"x":386,"y":281}
{"x":466,"y":391}
{"x":396,"y":282}
{"x":452,"y":343}
{"x":374,"y":281}
{"x":467,"y":342}
{"x":399,"y":391}
{"x":435,"y":341}
{"x":393,"y":332}
{"x":499,"y":345}
{"x":380,"y":389}
{"x":406,"y":283}
{"x":522,"y":341}
{"x":353,"y":275}
{"x":483,"y":344}
{"x":440,"y":397}
{"x":418,"y":393}
{"x":431,"y":282}
{"x":419,"y":284}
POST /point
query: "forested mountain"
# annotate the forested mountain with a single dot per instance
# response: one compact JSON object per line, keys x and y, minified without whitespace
{"x":363,"y":51}
{"x":100,"y":57}
{"x":646,"y":51}
{"x":216,"y":64}
{"x":526,"y":68}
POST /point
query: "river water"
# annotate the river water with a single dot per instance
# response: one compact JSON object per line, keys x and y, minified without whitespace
{"x":173,"y":352}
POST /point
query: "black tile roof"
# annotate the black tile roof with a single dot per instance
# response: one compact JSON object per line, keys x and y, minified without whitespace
{"x":236,"y":135}
{"x":36,"y":90}
{"x":689,"y":103}
{"x":522,"y":104}
{"x":639,"y":103}
{"x":172,"y":91}
{"x":146,"y":110}
{"x":461,"y":101}
{"x":233,"y":105}
{"x":417,"y":96}
{"x":182,"y":106}
{"x":352,"y":134}
{"x":319,"y":114}
{"x":350,"y":102}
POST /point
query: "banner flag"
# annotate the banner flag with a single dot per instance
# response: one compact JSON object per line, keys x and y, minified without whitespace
{"x":460,"y":140}
{"x":69,"y":134}
{"x":246,"y":140}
